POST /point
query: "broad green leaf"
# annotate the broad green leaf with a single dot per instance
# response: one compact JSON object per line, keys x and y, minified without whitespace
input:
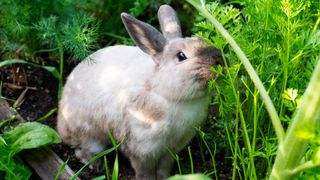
{"x":30,"y":135}
{"x":190,"y":177}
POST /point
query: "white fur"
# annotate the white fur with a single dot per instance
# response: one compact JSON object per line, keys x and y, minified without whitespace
{"x":101,"y":87}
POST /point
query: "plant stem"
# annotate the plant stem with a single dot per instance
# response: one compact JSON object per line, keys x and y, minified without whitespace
{"x":255,"y":120}
{"x":305,"y":166}
{"x":60,"y":86}
{"x":253,"y":174}
{"x":286,"y":60}
{"x":191,"y":161}
{"x":253,"y":75}
{"x":295,"y":144}
{"x":178,"y":163}
{"x":316,"y":25}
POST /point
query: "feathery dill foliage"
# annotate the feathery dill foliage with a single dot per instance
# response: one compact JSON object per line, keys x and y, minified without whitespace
{"x":80,"y":35}
{"x":39,"y":24}
{"x":281,"y":40}
{"x":78,"y":26}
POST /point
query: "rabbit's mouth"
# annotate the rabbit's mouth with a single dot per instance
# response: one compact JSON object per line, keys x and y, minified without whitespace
{"x":204,"y":77}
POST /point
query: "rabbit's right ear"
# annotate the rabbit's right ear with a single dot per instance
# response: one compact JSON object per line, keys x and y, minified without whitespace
{"x":146,"y":37}
{"x":169,"y":22}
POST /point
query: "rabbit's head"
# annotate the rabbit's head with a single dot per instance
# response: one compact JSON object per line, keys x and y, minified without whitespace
{"x":182,"y":64}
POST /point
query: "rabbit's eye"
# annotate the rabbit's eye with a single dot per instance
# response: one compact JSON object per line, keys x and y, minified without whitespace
{"x":181,"y":56}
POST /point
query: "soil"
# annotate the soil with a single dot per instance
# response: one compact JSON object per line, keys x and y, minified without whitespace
{"x":41,"y":97}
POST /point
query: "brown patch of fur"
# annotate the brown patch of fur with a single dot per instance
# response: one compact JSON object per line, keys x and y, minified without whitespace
{"x":146,"y":105}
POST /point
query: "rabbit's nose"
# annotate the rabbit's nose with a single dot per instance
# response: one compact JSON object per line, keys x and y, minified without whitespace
{"x":217,"y":63}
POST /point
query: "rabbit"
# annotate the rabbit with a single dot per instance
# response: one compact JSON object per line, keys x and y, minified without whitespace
{"x":154,"y":95}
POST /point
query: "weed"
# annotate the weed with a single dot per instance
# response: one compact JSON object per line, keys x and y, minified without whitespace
{"x":25,"y":136}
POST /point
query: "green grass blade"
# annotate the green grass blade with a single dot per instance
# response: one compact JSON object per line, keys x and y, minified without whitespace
{"x":105,"y":161}
{"x":115,"y":171}
{"x":99,"y":178}
{"x":191,"y":161}
{"x":50,"y":69}
{"x":93,"y":159}
{"x":50,"y":113}
{"x":5,"y":121}
{"x":103,"y":153}
{"x":61,"y":169}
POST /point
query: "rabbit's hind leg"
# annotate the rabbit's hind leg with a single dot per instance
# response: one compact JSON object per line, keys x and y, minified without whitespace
{"x":164,"y":166}
{"x":144,"y":169}
{"x":76,"y":131}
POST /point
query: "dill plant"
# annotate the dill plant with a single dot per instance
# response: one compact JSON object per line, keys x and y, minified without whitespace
{"x":63,"y":29}
{"x":278,"y":37}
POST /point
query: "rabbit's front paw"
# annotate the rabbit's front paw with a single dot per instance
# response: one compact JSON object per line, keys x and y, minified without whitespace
{"x":85,"y":155}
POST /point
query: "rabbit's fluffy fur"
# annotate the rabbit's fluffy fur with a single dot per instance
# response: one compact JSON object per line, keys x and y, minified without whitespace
{"x":143,"y":93}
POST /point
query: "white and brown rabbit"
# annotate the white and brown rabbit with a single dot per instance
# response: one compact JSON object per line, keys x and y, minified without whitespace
{"x":153,"y":94}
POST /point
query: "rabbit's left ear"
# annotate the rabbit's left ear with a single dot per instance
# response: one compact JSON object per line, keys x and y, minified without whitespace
{"x":146,"y":37}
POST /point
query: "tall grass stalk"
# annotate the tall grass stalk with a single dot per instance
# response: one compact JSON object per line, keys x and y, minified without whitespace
{"x":176,"y":157}
{"x":61,"y":63}
{"x":115,"y":171}
{"x":191,"y":161}
{"x":212,"y":154}
{"x":107,"y":171}
{"x":234,"y":147}
{"x":291,"y":152}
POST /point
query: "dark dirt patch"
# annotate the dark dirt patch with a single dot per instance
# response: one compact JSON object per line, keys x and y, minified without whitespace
{"x":38,"y":101}
{"x":42,"y":97}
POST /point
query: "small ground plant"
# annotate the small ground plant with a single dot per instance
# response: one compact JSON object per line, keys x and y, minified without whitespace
{"x":25,"y":136}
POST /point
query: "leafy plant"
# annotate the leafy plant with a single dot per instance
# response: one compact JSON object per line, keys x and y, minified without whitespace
{"x":275,"y":36}
{"x":189,"y":177}
{"x":25,"y":136}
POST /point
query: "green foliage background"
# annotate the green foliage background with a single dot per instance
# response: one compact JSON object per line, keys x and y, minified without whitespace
{"x":282,"y":41}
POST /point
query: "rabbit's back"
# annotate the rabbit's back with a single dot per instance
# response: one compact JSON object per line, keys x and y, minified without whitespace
{"x":97,"y":90}
{"x":107,"y":73}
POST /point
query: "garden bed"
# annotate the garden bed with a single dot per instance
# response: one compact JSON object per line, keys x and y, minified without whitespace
{"x":40,"y":98}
